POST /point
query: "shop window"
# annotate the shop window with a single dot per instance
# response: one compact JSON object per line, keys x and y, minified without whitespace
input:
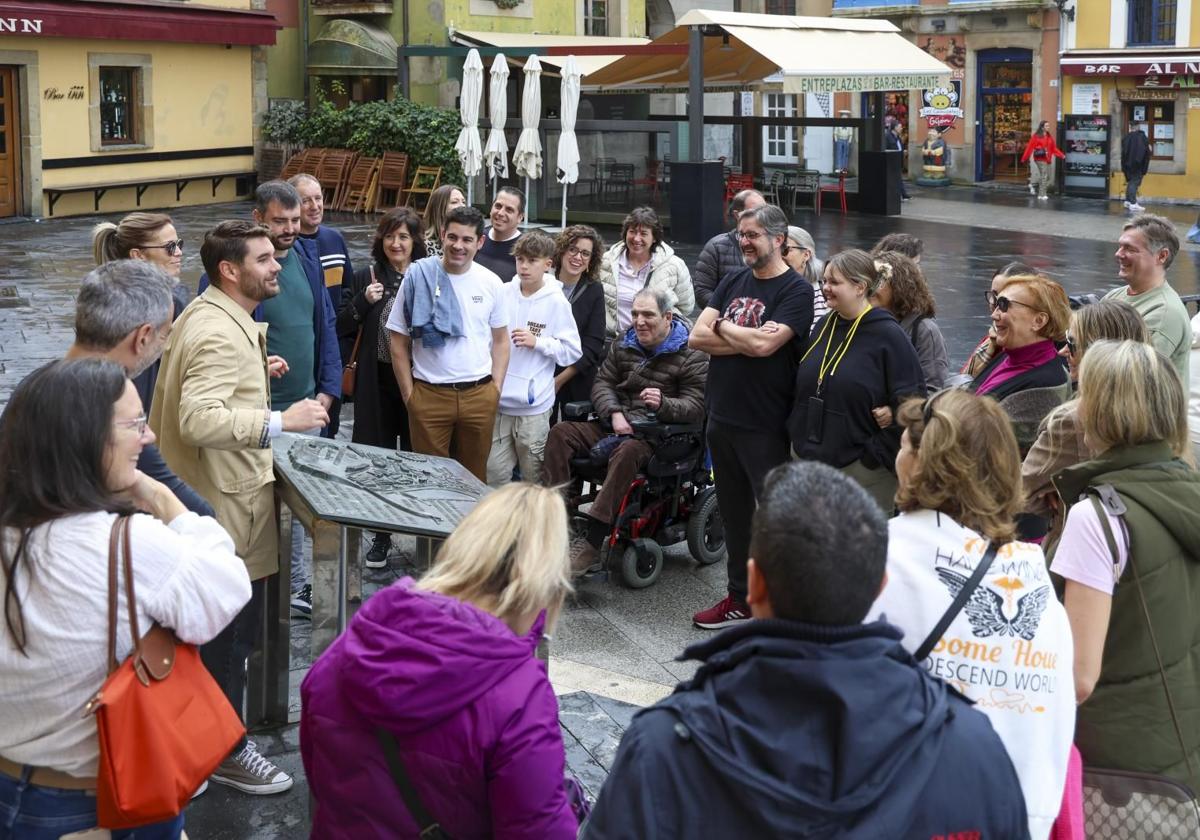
{"x":118,"y":109}
{"x":1158,"y":119}
{"x":1017,"y":74}
{"x":1152,"y":22}
{"x":780,"y":7}
{"x":595,"y":17}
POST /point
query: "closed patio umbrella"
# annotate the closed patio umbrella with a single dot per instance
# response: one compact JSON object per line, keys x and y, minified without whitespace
{"x":467,"y":145}
{"x":527,"y":155}
{"x":495,"y":153}
{"x":568,"y":146}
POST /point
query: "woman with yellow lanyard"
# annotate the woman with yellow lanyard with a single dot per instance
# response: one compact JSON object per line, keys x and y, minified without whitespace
{"x":859,"y":359}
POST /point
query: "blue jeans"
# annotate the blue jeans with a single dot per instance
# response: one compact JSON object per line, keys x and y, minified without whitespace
{"x":32,"y":812}
{"x":841,"y":154}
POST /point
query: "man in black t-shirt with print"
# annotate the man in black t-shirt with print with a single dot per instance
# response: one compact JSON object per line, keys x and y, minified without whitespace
{"x":755,"y":327}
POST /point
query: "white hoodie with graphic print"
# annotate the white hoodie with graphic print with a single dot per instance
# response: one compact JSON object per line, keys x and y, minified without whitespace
{"x":529,"y":382}
{"x":1009,"y":649}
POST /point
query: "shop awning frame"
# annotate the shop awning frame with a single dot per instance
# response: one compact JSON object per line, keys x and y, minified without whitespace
{"x":138,"y":20}
{"x":591,"y":52}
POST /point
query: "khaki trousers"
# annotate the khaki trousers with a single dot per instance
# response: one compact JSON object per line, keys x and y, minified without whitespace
{"x":454,"y":424}
{"x":518,"y":440}
{"x":880,"y":484}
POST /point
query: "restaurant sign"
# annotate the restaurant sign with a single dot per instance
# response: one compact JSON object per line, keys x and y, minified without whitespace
{"x":1130,"y":67}
{"x":1179,"y":81}
{"x":806,"y":83}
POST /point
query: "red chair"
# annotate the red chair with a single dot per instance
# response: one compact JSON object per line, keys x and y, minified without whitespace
{"x":838,"y":188}
{"x":735,"y":182}
{"x":651,"y":180}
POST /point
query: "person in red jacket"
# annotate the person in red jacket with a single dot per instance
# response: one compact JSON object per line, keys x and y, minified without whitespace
{"x":1041,"y":151}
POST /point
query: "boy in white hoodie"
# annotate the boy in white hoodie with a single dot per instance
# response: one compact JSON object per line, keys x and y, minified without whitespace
{"x":543,"y":334}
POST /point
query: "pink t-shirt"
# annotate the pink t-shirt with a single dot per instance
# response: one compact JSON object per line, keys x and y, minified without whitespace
{"x":1083,"y":554}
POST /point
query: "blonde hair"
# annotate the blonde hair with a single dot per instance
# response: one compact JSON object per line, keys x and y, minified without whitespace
{"x":969,"y":465}
{"x":509,"y":555}
{"x":1111,"y":319}
{"x":1130,"y":394}
{"x":114,"y":242}
{"x":1049,"y":298}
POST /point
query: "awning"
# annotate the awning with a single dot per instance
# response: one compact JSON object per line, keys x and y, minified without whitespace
{"x":1157,"y":62}
{"x":137,"y":20}
{"x":813,"y":55}
{"x":550,"y":63}
{"x":347,"y":47}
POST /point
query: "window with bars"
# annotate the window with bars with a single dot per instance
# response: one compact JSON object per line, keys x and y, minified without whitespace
{"x":1152,"y":22}
{"x":595,"y":17}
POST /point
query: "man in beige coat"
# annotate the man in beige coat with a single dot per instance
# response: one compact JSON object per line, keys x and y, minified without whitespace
{"x":211,"y":413}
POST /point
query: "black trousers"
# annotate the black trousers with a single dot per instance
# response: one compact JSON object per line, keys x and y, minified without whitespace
{"x":225,"y":656}
{"x":741,"y":460}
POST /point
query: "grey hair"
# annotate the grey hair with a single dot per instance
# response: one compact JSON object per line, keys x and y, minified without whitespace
{"x":661,"y":302}
{"x":770,"y":218}
{"x":738,"y":203}
{"x":1159,"y":233}
{"x":279,"y":192}
{"x":303,"y":178}
{"x":117,"y":298}
{"x":798,"y":237}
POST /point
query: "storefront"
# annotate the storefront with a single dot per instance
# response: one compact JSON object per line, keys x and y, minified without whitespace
{"x":1004,"y":113}
{"x":108,"y":106}
{"x":1157,"y":90}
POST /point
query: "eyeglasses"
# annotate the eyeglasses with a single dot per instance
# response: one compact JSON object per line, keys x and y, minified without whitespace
{"x":749,"y":235}
{"x":172,"y":247}
{"x":995,"y":301}
{"x":138,"y":424}
{"x":575,"y":252}
{"x":1072,"y":345}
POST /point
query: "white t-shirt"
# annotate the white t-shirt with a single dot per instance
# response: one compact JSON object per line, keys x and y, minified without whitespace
{"x":186,"y":577}
{"x":629,"y":283}
{"x":1083,"y":554}
{"x":1009,"y":649}
{"x":469,"y":357}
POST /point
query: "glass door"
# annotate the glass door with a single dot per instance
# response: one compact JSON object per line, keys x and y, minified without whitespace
{"x":987,"y":140}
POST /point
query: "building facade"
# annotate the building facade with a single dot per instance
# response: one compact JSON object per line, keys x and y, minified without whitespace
{"x":1127,"y":63}
{"x":1003,"y":55}
{"x":108,"y":106}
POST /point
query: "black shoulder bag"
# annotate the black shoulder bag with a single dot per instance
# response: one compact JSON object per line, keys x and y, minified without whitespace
{"x":430,"y":828}
{"x":960,"y":601}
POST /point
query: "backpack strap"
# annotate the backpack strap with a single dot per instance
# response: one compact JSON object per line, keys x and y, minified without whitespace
{"x":1107,"y":500}
{"x":912,"y":330}
{"x":429,"y":827}
{"x":958,"y":603}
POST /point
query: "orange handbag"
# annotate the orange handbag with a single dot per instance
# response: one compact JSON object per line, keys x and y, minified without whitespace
{"x":163,"y":722}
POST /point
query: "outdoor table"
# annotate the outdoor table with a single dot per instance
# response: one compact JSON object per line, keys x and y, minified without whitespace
{"x":336,"y":489}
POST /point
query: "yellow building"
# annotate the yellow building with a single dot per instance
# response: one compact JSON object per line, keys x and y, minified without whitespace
{"x":108,"y":105}
{"x":1134,"y":62}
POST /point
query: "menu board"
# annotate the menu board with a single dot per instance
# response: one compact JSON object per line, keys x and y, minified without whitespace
{"x":1086,"y":144}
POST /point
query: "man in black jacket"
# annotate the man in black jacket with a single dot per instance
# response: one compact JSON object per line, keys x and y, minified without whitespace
{"x":805,"y":722}
{"x":123,"y":314}
{"x":723,"y":253}
{"x":1135,"y":163}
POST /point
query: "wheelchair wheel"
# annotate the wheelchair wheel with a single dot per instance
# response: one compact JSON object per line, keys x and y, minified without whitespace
{"x":706,"y":530}
{"x":641,"y":563}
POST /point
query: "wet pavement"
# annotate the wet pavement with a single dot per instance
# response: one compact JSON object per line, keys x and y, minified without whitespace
{"x":614,"y":649}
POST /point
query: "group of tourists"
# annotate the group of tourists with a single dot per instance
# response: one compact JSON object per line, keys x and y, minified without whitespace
{"x":948,"y":590}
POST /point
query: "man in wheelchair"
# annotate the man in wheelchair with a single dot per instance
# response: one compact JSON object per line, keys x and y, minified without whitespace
{"x":650,"y":372}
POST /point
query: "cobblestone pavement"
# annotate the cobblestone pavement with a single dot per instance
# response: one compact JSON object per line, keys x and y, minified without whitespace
{"x":614,"y":649}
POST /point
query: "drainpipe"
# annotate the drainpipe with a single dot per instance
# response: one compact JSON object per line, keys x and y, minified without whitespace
{"x":403,"y":68}
{"x":304,"y":11}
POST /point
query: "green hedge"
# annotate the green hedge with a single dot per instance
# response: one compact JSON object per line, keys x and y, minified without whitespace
{"x":425,"y":133}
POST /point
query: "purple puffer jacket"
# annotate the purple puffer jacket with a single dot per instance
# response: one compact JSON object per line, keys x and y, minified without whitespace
{"x":469,"y":704}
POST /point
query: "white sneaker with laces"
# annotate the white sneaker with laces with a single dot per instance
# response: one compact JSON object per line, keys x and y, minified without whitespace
{"x":251,"y":772}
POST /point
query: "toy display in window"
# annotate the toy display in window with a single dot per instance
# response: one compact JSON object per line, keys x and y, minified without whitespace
{"x":843,"y":136}
{"x":935,"y":156}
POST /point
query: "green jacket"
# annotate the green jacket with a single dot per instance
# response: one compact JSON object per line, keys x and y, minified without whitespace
{"x":1126,"y":724}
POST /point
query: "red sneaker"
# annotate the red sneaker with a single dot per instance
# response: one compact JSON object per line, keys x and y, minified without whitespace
{"x":727,"y":613}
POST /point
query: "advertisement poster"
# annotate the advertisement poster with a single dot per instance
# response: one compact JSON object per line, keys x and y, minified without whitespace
{"x":1085,"y":98}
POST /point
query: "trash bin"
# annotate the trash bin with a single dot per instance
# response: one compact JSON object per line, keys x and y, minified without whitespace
{"x":879,"y":183}
{"x":697,"y":200}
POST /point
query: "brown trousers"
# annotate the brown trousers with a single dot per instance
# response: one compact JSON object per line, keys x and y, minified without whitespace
{"x":568,"y":439}
{"x":454,"y":424}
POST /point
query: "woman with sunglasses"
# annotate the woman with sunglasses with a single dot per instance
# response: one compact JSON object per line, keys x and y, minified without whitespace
{"x":1060,"y":442}
{"x":986,"y":350}
{"x":800,"y":253}
{"x":859,"y":359}
{"x":140,"y":236}
{"x":69,"y":441}
{"x":577,"y":254}
{"x":1132,"y":588}
{"x":1027,"y":376}
{"x":959,"y":492}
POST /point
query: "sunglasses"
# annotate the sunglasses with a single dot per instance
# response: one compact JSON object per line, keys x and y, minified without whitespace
{"x":172,"y":247}
{"x":995,"y":301}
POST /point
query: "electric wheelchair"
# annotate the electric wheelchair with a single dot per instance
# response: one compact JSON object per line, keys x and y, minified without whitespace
{"x":672,"y":499}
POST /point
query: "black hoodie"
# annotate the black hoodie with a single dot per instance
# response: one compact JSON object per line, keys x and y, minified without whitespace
{"x":881,"y":367}
{"x":794,"y":730}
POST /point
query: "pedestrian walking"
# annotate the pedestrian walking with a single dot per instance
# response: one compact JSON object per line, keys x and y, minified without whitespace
{"x":893,"y":142}
{"x":754,"y":328}
{"x":442,"y":674}
{"x":380,"y":418}
{"x":1040,"y":153}
{"x":69,"y":439}
{"x":1135,"y":163}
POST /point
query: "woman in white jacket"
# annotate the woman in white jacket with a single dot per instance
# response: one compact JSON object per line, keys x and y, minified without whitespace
{"x":1009,"y":648}
{"x":69,"y":441}
{"x":642,"y":260}
{"x":544,"y":335}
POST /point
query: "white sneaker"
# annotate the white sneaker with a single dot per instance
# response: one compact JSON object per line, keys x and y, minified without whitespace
{"x":1043,"y":198}
{"x":203,"y":787}
{"x":1127,"y":204}
{"x":1136,"y":208}
{"x":251,"y":772}
{"x":1032,"y":190}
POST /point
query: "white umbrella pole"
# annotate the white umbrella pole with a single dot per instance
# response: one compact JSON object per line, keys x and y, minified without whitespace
{"x":527,"y":194}
{"x":564,"y":207}
{"x":495,"y":185}
{"x":470,"y":191}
